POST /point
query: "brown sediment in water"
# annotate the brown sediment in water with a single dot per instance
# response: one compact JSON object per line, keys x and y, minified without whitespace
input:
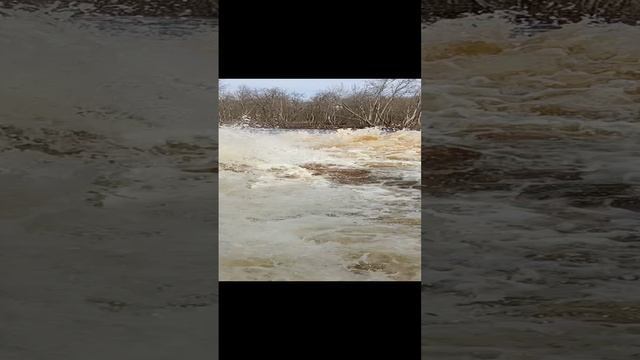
{"x":53,"y":142}
{"x":610,"y":312}
{"x":566,"y":256}
{"x":402,"y":184}
{"x":182,"y":148}
{"x":441,"y":157}
{"x":365,"y":138}
{"x":91,"y":146}
{"x":340,"y":238}
{"x":518,"y":136}
{"x":536,"y":132}
{"x":47,"y":149}
{"x":398,"y":267}
{"x":250,"y":262}
{"x":341,"y":175}
{"x":627,"y":203}
{"x":565,"y":111}
{"x":238,"y":168}
{"x":347,"y":176}
{"x":210,"y":169}
{"x":383,"y":165}
{"x":463,"y":181}
{"x":596,"y":311}
{"x":399,"y":220}
{"x":575,"y":128}
{"x":462,"y":48}
{"x":583,"y":195}
{"x":449,"y":169}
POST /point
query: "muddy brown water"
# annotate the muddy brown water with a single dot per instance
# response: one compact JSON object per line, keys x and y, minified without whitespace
{"x":530,"y":191}
{"x":319,"y":205}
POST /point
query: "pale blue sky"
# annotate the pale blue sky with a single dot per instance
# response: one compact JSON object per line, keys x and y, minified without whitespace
{"x":306,"y":87}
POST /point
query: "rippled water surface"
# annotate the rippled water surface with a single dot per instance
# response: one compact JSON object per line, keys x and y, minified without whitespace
{"x":108,"y":199}
{"x":531,"y":189}
{"x":319,"y":205}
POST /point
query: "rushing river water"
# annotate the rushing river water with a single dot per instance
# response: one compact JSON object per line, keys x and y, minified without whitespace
{"x":319,"y":205}
{"x":107,"y":219}
{"x":531,"y":189}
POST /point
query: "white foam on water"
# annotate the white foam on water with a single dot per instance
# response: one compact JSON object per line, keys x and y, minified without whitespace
{"x":476,"y":67}
{"x":579,"y":82}
{"x":118,"y":76}
{"x":293,"y":204}
{"x":529,"y":104}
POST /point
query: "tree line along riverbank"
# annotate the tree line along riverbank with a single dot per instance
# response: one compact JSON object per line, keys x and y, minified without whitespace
{"x":386,"y":103}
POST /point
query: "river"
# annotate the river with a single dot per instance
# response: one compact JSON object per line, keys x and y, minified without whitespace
{"x":107,"y":218}
{"x":531,"y":189}
{"x":319,"y":205}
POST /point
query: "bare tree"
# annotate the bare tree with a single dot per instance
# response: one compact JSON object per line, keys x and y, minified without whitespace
{"x":372,"y":103}
{"x":389,"y":103}
{"x":324,"y":108}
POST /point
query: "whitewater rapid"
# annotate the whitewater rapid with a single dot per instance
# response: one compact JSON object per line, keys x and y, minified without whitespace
{"x":531,"y":188}
{"x":100,"y":119}
{"x":488,"y":69}
{"x":112,"y":75}
{"x":319,"y":205}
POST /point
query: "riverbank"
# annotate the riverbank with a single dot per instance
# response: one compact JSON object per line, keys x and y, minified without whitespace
{"x":184,"y":8}
{"x":557,"y":11}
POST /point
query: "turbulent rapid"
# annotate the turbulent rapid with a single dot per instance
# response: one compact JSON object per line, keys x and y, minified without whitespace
{"x":490,"y":70}
{"x":319,"y":205}
{"x":531,"y":188}
{"x":103,"y":120}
